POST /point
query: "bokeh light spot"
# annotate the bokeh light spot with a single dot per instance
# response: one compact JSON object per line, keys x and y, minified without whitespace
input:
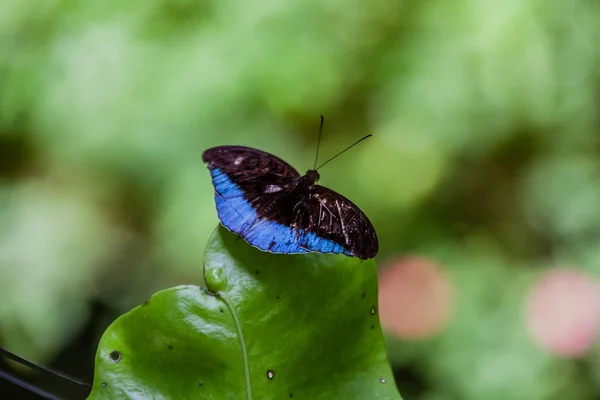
{"x":415,"y":298}
{"x":563,"y":312}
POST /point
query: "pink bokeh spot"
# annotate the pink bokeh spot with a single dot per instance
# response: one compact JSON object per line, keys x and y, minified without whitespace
{"x":563,"y":312}
{"x":415,"y":298}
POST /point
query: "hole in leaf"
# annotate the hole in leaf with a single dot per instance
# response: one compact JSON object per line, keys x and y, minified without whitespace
{"x":270,"y":374}
{"x":364,"y":295}
{"x":382,"y":380}
{"x":372,"y":310}
{"x":115,"y":356}
{"x":103,"y":384}
{"x":170,"y":347}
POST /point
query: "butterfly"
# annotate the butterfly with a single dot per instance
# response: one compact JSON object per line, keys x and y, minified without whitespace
{"x":267,"y":202}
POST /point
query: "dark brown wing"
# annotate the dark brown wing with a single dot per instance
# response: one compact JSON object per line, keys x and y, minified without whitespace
{"x":251,"y":169}
{"x":332,"y":216}
{"x":262,"y":179}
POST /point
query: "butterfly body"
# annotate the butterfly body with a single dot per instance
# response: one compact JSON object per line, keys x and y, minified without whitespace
{"x":268,"y":203}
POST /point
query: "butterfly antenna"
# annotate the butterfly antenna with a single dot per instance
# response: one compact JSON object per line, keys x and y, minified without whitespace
{"x":36,"y":367}
{"x":318,"y":143}
{"x":345,"y":150}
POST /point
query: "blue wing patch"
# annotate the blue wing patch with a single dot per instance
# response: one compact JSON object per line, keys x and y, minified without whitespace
{"x":238,"y":215}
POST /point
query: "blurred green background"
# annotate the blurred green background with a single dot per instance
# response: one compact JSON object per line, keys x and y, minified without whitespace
{"x":485,"y":161}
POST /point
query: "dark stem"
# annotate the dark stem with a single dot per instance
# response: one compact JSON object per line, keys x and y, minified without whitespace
{"x":36,"y":367}
{"x":28,"y":386}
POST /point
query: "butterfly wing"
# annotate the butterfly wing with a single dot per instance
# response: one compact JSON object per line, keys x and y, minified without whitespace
{"x":252,"y":170}
{"x":253,"y":195}
{"x":331,"y":221}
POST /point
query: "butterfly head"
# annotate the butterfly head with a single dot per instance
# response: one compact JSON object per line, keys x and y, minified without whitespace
{"x":311,"y":177}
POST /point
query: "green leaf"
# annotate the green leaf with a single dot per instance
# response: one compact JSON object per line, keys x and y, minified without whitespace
{"x":268,"y":327}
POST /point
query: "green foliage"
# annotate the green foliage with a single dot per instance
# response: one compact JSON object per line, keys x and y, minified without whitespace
{"x":301,"y":326}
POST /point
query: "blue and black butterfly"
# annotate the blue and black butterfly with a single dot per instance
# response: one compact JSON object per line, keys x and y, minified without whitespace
{"x":264,"y":200}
